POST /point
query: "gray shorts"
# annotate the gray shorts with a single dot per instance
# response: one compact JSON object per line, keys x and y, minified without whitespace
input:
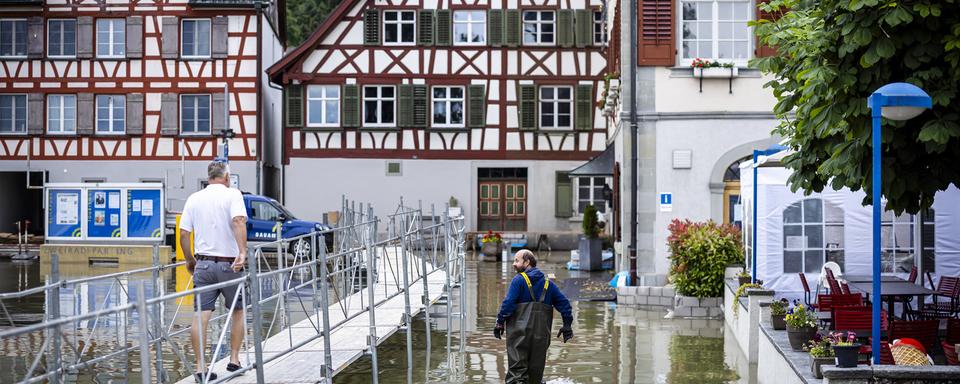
{"x":210,"y":272}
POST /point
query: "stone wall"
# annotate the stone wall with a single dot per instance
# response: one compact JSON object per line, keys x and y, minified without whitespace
{"x":892,"y":374}
{"x":646,"y":296}
{"x":778,"y":363}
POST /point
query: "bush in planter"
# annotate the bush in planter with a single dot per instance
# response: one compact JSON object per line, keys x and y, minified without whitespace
{"x":821,"y":353}
{"x":699,"y":254}
{"x":778,"y":312}
{"x":591,"y":226}
{"x":801,"y":326}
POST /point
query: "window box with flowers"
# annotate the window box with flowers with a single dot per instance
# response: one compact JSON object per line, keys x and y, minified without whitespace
{"x":492,"y":246}
{"x":713,"y":69}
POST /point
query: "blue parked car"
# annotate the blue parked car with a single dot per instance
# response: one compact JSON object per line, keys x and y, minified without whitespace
{"x":263,"y":214}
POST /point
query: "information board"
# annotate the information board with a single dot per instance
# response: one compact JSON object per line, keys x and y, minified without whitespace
{"x":103,"y":213}
{"x":63,"y":213}
{"x":144,"y":214}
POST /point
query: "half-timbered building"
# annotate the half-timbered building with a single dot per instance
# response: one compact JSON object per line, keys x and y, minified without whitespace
{"x":488,"y":103}
{"x":130,"y":91}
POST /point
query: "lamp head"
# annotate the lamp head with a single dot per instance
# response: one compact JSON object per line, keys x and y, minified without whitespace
{"x":900,"y":101}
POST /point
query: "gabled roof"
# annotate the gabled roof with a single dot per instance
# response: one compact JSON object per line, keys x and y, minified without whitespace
{"x":276,"y":70}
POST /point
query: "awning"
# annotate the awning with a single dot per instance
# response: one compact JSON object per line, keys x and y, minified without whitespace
{"x":601,"y":165}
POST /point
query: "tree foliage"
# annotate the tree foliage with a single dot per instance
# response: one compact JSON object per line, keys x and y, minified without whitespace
{"x":304,"y":16}
{"x":832,"y":55}
{"x":699,"y":255}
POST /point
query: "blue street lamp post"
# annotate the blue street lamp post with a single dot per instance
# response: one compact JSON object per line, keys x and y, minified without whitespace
{"x":894,"y":101}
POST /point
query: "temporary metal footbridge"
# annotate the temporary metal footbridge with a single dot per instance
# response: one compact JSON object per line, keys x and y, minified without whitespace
{"x":309,"y":311}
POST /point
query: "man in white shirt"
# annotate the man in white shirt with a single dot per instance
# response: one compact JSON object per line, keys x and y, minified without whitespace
{"x":217,"y":217}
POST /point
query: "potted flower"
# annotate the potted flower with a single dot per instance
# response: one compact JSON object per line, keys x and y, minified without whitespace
{"x":743,"y":277}
{"x":821,"y":353}
{"x":713,"y":69}
{"x":846,"y":348}
{"x":778,"y":310}
{"x":492,"y":245}
{"x":801,"y":326}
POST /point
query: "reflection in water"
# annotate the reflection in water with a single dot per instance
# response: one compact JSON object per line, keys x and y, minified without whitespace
{"x":611,"y":344}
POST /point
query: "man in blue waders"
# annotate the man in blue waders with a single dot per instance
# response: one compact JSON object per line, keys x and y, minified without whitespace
{"x":526,"y":316}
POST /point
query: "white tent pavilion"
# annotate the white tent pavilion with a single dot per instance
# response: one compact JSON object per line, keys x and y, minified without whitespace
{"x":798,"y":233}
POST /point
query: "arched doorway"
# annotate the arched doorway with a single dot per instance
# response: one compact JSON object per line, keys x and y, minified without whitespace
{"x":731,"y":194}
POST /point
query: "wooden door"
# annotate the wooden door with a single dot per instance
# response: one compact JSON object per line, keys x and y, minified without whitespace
{"x":502,"y":205}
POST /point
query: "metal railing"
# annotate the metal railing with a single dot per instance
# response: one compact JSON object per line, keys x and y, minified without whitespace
{"x":283,"y":280}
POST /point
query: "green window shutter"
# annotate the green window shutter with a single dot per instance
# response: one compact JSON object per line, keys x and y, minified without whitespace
{"x":528,"y":107}
{"x":351,"y":105}
{"x":420,"y":106}
{"x":564,"y":188}
{"x":405,"y":105}
{"x":425,"y":32}
{"x":584,"y":28}
{"x":511,"y":29}
{"x":293,"y":105}
{"x":565,"y":33}
{"x":584,"y":107}
{"x":371,"y":27}
{"x":477,"y":106}
{"x":495,"y":27}
{"x":444,"y":27}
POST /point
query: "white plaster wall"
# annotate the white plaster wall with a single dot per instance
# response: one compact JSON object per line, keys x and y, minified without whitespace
{"x":316,"y":186}
{"x":709,"y":139}
{"x":681,"y":93}
{"x":772,"y":367}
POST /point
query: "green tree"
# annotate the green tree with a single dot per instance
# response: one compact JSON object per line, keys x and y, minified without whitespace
{"x":304,"y":16}
{"x":832,"y":54}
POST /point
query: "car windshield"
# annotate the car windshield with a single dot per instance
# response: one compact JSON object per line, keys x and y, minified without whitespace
{"x":283,"y":209}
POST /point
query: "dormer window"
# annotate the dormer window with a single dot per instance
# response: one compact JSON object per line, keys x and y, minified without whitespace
{"x":399,"y":27}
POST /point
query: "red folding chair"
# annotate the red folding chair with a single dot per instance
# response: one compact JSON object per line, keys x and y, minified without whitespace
{"x":824,"y":303}
{"x":924,"y":331}
{"x":834,"y":285}
{"x":806,"y":290}
{"x":844,"y":288}
{"x":950,"y":351}
{"x":856,"y":319}
{"x":953,"y":331}
{"x":945,"y":300}
{"x":913,"y":275}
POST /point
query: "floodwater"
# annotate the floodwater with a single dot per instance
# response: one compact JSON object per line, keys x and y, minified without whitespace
{"x":611,"y":344}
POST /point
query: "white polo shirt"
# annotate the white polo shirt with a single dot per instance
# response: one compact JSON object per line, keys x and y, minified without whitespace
{"x":208,"y":213}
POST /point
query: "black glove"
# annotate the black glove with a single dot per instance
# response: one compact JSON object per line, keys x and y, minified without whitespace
{"x":566,"y":332}
{"x":498,"y":331}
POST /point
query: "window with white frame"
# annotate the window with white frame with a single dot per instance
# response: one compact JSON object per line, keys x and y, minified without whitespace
{"x":896,"y":242}
{"x":399,"y":27}
{"x":13,"y":113}
{"x":812,"y":235}
{"x":379,"y":103}
{"x":448,"y":106}
{"x":195,"y":38}
{"x":13,"y":37}
{"x":469,"y":27}
{"x":111,"y":40}
{"x":323,"y":105}
{"x":111,"y":114}
{"x":556,"y":107}
{"x":195,"y":114}
{"x":538,"y":27}
{"x":61,"y":113}
{"x":62,"y":38}
{"x":599,"y":29}
{"x":716,"y":30}
{"x":589,"y":191}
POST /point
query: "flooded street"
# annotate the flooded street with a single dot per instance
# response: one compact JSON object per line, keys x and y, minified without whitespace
{"x":611,"y":344}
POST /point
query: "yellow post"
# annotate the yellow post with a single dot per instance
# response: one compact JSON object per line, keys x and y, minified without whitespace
{"x":183,"y":277}
{"x":176,"y":231}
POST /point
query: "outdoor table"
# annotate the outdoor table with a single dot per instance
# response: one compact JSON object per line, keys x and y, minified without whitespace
{"x":891,"y":290}
{"x":867,"y":278}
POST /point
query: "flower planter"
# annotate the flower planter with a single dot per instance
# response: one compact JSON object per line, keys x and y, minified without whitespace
{"x":744,"y":280}
{"x":778,"y":322}
{"x":492,"y":251}
{"x":798,"y":336}
{"x":716,"y":72}
{"x":590,"y":250}
{"x":847,"y":355}
{"x":817,"y":363}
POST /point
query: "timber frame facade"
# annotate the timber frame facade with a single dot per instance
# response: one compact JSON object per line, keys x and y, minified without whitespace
{"x":137,"y":50}
{"x":502,"y":78}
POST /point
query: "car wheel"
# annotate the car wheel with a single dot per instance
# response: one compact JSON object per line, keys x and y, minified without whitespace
{"x":301,"y":248}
